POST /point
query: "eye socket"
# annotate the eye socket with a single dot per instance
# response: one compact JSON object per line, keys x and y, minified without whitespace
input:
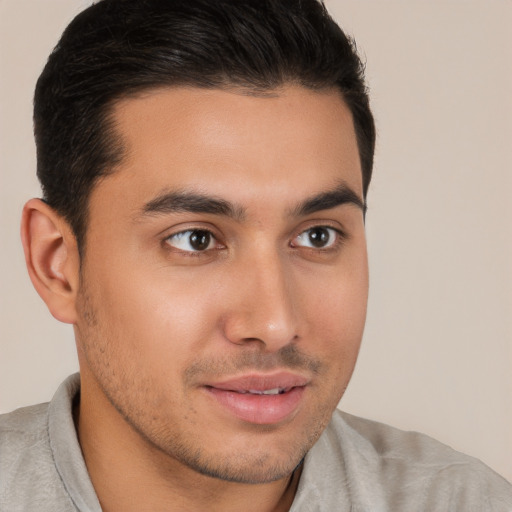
{"x":318,"y":237}
{"x":192,"y":240}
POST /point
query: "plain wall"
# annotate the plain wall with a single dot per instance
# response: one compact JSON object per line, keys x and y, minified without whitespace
{"x":437,"y":349}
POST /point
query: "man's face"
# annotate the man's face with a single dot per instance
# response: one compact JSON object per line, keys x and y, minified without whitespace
{"x":224,"y":281}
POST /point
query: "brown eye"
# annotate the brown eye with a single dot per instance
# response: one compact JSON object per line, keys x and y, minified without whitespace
{"x":192,"y":240}
{"x":319,"y":237}
{"x":200,"y":240}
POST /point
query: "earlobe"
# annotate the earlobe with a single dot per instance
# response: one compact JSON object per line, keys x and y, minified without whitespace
{"x":52,"y":259}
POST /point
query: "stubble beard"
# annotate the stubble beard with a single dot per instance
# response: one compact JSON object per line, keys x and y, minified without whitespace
{"x":156,"y":430}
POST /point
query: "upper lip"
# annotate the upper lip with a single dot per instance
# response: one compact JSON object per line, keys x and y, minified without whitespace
{"x":261,"y":382}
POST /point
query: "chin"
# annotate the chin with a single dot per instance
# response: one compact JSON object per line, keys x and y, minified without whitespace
{"x":247,"y":469}
{"x":256,"y":458}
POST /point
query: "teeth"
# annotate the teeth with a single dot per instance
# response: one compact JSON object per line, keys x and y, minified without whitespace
{"x":275,"y":391}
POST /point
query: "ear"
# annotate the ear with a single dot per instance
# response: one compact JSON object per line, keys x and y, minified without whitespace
{"x":52,"y":259}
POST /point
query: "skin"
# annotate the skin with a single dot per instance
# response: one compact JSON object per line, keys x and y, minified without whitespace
{"x":156,"y":320}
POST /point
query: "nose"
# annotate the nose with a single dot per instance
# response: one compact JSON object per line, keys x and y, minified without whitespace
{"x":263,"y":309}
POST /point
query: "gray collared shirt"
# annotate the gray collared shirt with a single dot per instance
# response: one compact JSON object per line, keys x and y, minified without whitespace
{"x":356,"y":466}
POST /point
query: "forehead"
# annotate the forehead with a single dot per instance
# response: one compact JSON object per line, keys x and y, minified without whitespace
{"x":230,"y":143}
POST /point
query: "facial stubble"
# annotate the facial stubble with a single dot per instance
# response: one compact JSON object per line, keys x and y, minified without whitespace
{"x":131,"y":394}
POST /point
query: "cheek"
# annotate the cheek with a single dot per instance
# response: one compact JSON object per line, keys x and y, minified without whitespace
{"x":154,"y":314}
{"x":336,"y":315}
{"x":336,"y":302}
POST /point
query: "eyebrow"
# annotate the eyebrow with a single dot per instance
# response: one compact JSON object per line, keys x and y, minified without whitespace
{"x":192,"y":202}
{"x":341,"y":195}
{"x":180,"y":201}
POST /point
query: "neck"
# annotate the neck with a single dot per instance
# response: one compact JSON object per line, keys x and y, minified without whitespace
{"x":129,"y":474}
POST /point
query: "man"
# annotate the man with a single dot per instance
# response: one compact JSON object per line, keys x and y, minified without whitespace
{"x":205,"y":167}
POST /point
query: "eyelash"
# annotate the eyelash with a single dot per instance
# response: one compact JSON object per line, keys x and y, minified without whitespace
{"x":341,"y":237}
{"x":188,"y":233}
{"x":338,"y":233}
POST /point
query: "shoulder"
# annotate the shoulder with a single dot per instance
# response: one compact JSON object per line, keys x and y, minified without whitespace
{"x":25,"y":419}
{"x":392,"y":443}
{"x":383,"y":468}
{"x":425,"y":467}
{"x":20,"y":430}
{"x":28,"y":477}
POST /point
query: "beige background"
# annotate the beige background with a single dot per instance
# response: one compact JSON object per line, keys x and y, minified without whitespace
{"x":437,"y":351}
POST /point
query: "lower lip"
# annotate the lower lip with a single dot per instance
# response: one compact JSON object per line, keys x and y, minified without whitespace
{"x":259,"y":409}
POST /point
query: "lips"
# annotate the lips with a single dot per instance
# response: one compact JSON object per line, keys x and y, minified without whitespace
{"x":260,"y":399}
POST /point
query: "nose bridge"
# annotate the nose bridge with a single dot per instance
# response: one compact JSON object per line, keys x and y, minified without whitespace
{"x":265,"y":309}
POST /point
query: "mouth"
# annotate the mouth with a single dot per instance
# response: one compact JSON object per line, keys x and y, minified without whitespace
{"x":260,"y":399}
{"x":275,"y":391}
